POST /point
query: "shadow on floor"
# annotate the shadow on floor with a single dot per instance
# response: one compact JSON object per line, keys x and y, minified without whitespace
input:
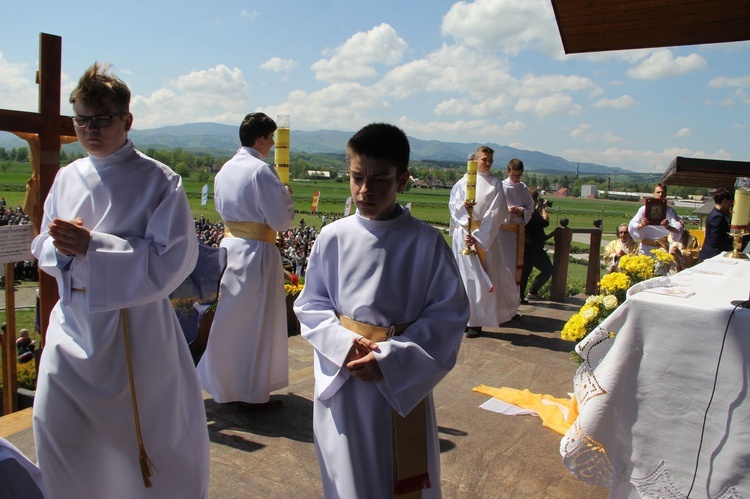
{"x":230,"y":425}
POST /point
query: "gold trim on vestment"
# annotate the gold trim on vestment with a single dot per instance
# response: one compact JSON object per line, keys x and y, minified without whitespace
{"x":409,"y":434}
{"x":250,"y":230}
{"x":660,"y":243}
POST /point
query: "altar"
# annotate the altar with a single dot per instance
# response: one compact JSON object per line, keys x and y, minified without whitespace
{"x":663,"y":387}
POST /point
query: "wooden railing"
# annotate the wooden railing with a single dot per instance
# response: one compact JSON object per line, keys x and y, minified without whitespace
{"x":563,"y":236}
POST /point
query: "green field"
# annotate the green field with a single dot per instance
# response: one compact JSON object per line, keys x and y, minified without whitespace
{"x":430,"y":205}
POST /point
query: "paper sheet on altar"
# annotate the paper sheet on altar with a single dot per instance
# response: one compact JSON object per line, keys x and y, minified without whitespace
{"x":557,"y":414}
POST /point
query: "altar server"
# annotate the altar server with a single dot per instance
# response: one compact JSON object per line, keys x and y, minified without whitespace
{"x":521,"y":207}
{"x":116,"y":382}
{"x":385,"y":309}
{"x":485,"y":275}
{"x":246,"y":356}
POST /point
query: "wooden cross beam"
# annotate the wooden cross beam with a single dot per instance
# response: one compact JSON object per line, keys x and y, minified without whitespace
{"x":50,"y":126}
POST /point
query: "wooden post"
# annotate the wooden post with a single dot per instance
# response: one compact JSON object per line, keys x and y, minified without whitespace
{"x":592,"y":275}
{"x":49,"y":125}
{"x":10,"y":377}
{"x":559,"y":284}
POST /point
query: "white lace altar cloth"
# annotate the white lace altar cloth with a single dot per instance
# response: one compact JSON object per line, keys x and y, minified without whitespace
{"x":643,"y":392}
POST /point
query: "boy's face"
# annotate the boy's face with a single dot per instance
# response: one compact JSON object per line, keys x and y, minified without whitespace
{"x":374,"y":185}
{"x":103,"y":140}
{"x":264,"y":144}
{"x":514,"y":175}
{"x":484,"y":162}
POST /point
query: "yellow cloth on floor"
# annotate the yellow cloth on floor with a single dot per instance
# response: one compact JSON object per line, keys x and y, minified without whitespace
{"x":557,"y":414}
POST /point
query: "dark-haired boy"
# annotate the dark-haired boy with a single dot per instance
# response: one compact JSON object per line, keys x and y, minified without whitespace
{"x":385,"y":309}
{"x":247,"y":355}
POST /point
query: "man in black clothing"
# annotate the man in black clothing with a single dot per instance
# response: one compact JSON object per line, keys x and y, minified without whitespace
{"x":534,"y":253}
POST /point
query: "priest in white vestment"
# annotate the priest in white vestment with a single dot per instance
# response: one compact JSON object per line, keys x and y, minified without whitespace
{"x":655,"y":236}
{"x":485,"y":275}
{"x":379,"y":267}
{"x":118,"y":236}
{"x":521,"y":207}
{"x":247,"y":356}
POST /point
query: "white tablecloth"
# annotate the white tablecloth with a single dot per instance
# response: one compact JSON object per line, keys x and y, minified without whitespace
{"x":643,"y":393}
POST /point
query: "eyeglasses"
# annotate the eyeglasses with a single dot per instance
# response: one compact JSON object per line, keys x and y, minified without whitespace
{"x":100,"y":121}
{"x":623,"y":232}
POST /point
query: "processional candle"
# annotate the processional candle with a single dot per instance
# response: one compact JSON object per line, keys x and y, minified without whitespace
{"x":471,"y":181}
{"x":281,"y":153}
{"x":741,"y":210}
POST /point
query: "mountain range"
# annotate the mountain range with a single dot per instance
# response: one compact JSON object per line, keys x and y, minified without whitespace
{"x":223,"y":140}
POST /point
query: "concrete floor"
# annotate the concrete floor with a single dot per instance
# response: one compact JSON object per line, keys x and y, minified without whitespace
{"x":483,"y":454}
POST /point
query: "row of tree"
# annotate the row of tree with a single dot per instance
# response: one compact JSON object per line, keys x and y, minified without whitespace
{"x":202,"y":165}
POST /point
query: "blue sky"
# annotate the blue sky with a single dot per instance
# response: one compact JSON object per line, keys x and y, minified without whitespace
{"x":478,"y":71}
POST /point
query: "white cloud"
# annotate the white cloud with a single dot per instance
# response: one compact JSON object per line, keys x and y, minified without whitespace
{"x":640,"y":161}
{"x":340,"y":106}
{"x":531,"y":86}
{"x":355,"y":59}
{"x":622,"y":102}
{"x":481,"y":130}
{"x":218,"y":94}
{"x":278,"y":65}
{"x":451,"y":68}
{"x":740,"y":96}
{"x":508,"y":25}
{"x":558,"y":104}
{"x":663,"y":64}
{"x":724,"y":82}
{"x":585,"y":132}
{"x":17,"y":88}
{"x":739,"y":126}
{"x":250,"y":14}
{"x":683,"y":132}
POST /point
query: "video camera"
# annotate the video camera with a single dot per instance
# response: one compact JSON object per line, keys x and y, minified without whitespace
{"x":542,"y":201}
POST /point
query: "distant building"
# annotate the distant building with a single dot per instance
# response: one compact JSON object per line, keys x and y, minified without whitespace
{"x":589,"y":191}
{"x":318,"y":174}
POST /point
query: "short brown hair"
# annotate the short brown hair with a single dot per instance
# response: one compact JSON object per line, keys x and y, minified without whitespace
{"x":515,"y":164}
{"x":97,"y":88}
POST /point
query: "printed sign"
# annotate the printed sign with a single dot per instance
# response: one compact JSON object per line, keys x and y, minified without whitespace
{"x":15,"y":243}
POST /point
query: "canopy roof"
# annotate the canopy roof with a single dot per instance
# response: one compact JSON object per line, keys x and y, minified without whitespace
{"x":699,"y":172}
{"x":599,"y":25}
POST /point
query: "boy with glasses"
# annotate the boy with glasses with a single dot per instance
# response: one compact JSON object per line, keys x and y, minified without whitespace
{"x":520,"y":207}
{"x":118,"y":407}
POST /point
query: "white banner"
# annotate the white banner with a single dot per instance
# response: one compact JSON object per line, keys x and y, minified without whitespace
{"x":204,"y":195}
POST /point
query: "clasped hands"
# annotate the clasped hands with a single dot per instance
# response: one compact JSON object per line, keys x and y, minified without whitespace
{"x":361,"y":360}
{"x":70,"y":237}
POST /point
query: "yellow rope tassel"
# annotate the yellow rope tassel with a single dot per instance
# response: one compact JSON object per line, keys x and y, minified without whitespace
{"x":147,"y":466}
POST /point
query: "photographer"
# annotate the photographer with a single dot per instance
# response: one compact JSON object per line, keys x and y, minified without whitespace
{"x":534,"y":253}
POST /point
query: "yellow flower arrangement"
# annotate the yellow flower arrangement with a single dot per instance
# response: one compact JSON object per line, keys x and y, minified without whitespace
{"x":613,"y":290}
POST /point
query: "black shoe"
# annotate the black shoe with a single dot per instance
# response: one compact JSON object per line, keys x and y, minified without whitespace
{"x":473,"y":332}
{"x":524,"y":302}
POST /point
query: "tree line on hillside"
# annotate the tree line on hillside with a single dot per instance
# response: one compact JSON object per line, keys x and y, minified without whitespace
{"x":201,"y":166}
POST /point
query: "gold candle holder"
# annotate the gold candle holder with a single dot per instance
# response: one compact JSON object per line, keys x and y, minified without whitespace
{"x":469,"y":249}
{"x":737,"y":245}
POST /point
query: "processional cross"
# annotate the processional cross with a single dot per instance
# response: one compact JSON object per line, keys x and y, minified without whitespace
{"x":45,"y":130}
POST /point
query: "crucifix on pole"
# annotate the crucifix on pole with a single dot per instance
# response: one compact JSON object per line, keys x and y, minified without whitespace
{"x":46,"y":131}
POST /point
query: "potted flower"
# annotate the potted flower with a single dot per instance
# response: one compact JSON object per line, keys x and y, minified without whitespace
{"x":292,"y":288}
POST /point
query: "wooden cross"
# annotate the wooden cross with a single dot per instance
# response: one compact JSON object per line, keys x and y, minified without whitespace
{"x":49,"y":125}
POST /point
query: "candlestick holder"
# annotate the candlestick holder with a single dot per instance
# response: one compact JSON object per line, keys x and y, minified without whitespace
{"x":737,"y":245}
{"x":469,"y":249}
